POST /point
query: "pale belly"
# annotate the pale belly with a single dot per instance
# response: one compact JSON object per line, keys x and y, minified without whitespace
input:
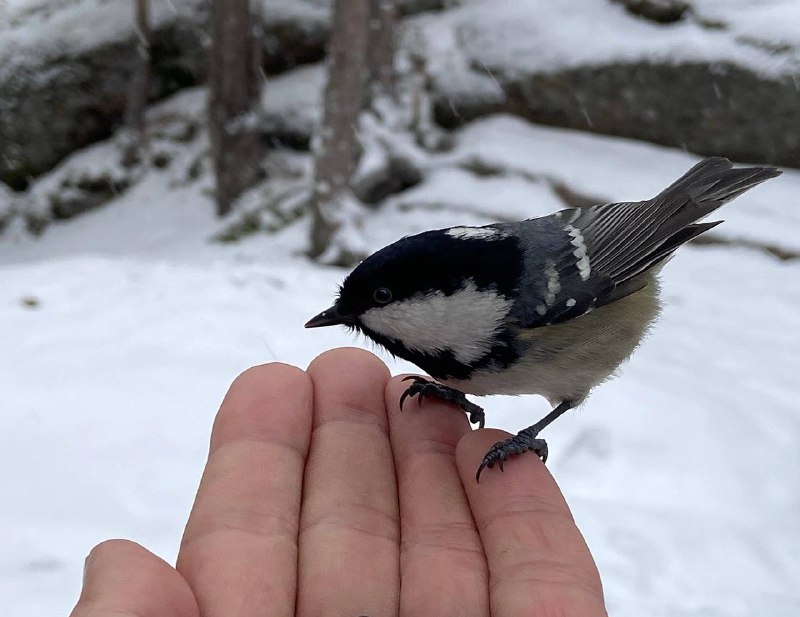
{"x":566,"y":361}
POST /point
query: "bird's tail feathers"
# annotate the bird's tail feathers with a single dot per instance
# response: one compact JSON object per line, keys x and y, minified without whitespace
{"x":627,"y":239}
{"x":714,"y":182}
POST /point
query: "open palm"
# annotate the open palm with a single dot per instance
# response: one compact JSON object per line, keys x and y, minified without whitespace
{"x":321,"y":498}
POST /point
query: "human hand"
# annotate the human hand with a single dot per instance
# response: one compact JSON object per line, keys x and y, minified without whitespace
{"x":321,"y":498}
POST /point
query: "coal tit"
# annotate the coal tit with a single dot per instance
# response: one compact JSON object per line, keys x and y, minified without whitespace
{"x":548,"y":306}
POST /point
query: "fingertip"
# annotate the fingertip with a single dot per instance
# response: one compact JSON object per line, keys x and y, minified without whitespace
{"x":349,"y":384}
{"x":112,"y":551}
{"x":473,"y":446}
{"x":427,"y":424}
{"x":395,"y":391}
{"x":261,"y":380}
{"x":355,"y":358}
{"x":526,"y":527}
{"x":120,"y":575}
{"x":261,"y":398}
{"x":522,"y":475}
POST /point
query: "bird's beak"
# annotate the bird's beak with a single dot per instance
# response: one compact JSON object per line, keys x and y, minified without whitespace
{"x":329,"y":317}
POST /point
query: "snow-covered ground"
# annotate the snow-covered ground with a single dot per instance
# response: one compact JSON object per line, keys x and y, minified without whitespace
{"x":122,"y":329}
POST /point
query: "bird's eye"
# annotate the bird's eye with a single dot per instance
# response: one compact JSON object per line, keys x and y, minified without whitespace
{"x":382,"y":295}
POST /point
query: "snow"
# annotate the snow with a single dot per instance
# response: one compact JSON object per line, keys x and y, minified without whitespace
{"x":681,"y":474}
{"x":763,"y":215}
{"x":36,"y":30}
{"x":292,"y":101}
{"x":468,"y":45}
{"x":49,"y":29}
{"x":773,"y":21}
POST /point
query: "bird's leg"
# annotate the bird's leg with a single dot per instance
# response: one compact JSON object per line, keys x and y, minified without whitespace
{"x":422,"y":387}
{"x":522,"y":442}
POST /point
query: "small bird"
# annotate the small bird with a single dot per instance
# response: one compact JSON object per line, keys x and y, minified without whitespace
{"x":549,"y":306}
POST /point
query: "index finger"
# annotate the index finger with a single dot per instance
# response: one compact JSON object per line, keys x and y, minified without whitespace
{"x":539,"y":563}
{"x":239,"y":550}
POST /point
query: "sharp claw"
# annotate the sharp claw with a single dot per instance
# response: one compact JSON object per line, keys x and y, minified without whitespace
{"x":483,"y":466}
{"x":402,"y":399}
{"x":500,"y":464}
{"x":410,"y":377}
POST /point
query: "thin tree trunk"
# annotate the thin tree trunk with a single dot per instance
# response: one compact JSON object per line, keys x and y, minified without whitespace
{"x":338,"y":149}
{"x":235,"y":81}
{"x":381,"y":45}
{"x":140,"y":85}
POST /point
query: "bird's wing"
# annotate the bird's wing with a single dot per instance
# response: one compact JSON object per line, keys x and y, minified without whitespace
{"x":600,"y":254}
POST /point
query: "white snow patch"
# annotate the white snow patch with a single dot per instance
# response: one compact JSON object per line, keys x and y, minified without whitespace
{"x":484,"y":37}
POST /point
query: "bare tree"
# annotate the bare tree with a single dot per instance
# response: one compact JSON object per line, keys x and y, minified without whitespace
{"x":381,"y":44}
{"x":136,"y":135}
{"x":337,"y":152}
{"x":235,"y":81}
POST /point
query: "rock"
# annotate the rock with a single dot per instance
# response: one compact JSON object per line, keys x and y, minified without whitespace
{"x":660,"y":11}
{"x":710,"y":83}
{"x":64,"y":83}
{"x":411,"y":7}
{"x":710,"y":109}
{"x":83,"y":193}
{"x":59,"y":96}
{"x":6,"y":206}
{"x":395,"y":174}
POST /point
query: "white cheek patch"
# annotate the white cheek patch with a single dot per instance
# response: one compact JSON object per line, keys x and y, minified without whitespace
{"x":464,"y":322}
{"x":475,"y":233}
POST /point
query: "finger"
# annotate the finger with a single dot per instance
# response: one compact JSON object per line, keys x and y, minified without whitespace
{"x":442,"y":566}
{"x":239,"y":550}
{"x":539,"y":563}
{"x":123,"y":578}
{"x":349,"y":529}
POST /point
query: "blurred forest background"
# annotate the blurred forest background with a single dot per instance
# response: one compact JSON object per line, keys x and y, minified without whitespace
{"x":382,"y":89}
{"x":184,"y":182}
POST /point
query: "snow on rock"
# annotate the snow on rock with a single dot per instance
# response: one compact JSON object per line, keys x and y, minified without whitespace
{"x":698,"y":84}
{"x":77,"y":58}
{"x":292,"y":105}
{"x":532,"y":36}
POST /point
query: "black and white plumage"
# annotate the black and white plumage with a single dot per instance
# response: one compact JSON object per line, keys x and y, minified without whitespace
{"x":548,"y":306}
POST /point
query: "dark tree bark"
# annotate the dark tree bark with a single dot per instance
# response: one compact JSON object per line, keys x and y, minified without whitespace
{"x":235,"y":81}
{"x":337,"y":151}
{"x":381,"y":45}
{"x":140,"y":86}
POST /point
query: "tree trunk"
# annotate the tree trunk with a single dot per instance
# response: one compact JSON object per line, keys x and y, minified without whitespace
{"x":235,"y":81}
{"x":381,"y":44}
{"x":140,"y":86}
{"x":337,"y":151}
{"x":134,"y":138}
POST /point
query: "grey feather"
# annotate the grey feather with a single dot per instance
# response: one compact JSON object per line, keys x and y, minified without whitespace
{"x":623,"y":241}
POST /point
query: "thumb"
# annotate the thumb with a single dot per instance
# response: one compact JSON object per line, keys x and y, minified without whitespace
{"x":122,"y":577}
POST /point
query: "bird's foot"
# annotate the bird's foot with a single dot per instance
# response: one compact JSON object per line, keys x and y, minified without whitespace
{"x":423,"y":387}
{"x":520,"y":443}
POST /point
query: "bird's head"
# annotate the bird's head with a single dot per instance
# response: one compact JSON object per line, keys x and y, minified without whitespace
{"x":438,"y":296}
